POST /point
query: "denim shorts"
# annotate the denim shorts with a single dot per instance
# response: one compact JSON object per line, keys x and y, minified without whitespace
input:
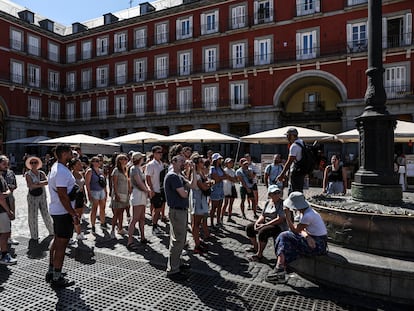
{"x":98,"y":195}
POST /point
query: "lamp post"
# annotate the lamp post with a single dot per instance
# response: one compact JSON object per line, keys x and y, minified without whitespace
{"x":375,"y":180}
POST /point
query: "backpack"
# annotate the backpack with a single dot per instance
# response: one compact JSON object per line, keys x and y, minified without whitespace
{"x":163,"y":173}
{"x":307,"y":164}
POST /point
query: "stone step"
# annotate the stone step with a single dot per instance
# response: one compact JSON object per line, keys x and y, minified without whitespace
{"x":360,"y":273}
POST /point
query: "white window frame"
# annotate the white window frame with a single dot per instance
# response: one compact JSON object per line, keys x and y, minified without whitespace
{"x":71,"y":81}
{"x":140,"y":37}
{"x":238,"y":54}
{"x":16,"y":39}
{"x":356,"y":2}
{"x":102,"y":108}
{"x":184,"y":99}
{"x":34,"y":108}
{"x":406,"y":36}
{"x":306,"y":7}
{"x":140,"y":69}
{"x":102,"y":74}
{"x":121,"y":74}
{"x":121,"y":41}
{"x":71,"y":53}
{"x":54,"y":110}
{"x":33,"y":45}
{"x":263,"y":51}
{"x":54,"y":82}
{"x":184,"y":28}
{"x":16,"y":71}
{"x":360,"y":43}
{"x":211,"y":58}
{"x":53,"y":51}
{"x":161,"y":33}
{"x":307,"y":44}
{"x":70,"y":108}
{"x":238,"y":95}
{"x":161,"y":66}
{"x":185,"y":63}
{"x":210,"y":22}
{"x":86,"y":78}
{"x":238,"y":16}
{"x":210,"y":97}
{"x":268,"y":14}
{"x":33,"y":75}
{"x":397,"y":79}
{"x":85,"y":109}
{"x":120,"y":106}
{"x":102,"y":46}
{"x":140,"y":104}
{"x":87,"y":49}
{"x":161,"y":102}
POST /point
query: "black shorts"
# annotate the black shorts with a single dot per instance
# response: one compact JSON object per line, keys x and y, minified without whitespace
{"x":233,"y":194}
{"x":158,"y":200}
{"x":63,"y":226}
{"x":243,"y":193}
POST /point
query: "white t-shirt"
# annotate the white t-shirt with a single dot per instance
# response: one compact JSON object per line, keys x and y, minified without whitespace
{"x":256,"y":171}
{"x":295,"y":150}
{"x":316,"y":226}
{"x":59,"y":176}
{"x":227,"y":184}
{"x":153,"y":170}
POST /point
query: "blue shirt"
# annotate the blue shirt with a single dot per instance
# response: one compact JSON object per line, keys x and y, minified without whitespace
{"x":172,"y":182}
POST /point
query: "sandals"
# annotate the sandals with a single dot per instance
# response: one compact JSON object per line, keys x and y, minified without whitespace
{"x":131,"y":246}
{"x":255,"y":258}
{"x":145,"y":241}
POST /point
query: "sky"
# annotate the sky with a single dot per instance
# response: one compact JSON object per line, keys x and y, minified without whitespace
{"x":67,"y":12}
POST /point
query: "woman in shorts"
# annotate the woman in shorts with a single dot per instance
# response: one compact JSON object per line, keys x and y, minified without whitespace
{"x":217,"y":193}
{"x":75,"y":165}
{"x":229,"y":188}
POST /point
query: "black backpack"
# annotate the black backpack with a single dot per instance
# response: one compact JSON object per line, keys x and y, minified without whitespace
{"x":308,"y":162}
{"x":163,"y":173}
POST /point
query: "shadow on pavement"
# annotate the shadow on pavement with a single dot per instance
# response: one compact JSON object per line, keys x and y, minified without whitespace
{"x":36,"y":250}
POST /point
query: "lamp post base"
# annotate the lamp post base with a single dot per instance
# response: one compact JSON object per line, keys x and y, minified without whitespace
{"x":382,"y":194}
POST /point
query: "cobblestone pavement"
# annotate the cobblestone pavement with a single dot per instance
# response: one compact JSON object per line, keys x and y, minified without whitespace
{"x":109,"y":277}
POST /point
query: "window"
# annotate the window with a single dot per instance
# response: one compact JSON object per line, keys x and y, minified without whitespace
{"x":210,"y":59}
{"x":86,"y":50}
{"x":263,"y":11}
{"x":306,"y":45}
{"x":210,"y":97}
{"x":53,"y":80}
{"x":16,"y":40}
{"x":238,"y":17}
{"x":121,"y":73}
{"x":140,"y":38}
{"x":262,"y":51}
{"x":33,"y":75}
{"x":102,"y":45}
{"x":33,"y":45}
{"x":396,"y":81}
{"x":85,"y":109}
{"x":184,"y":28}
{"x":305,"y":7}
{"x":120,"y":42}
{"x":86,"y":79}
{"x":71,"y":53}
{"x":185,"y":63}
{"x":140,"y":69}
{"x":238,"y":54}
{"x":209,"y":22}
{"x":355,"y":2}
{"x":185,"y":99}
{"x":160,"y":104}
{"x":312,"y":102}
{"x":54,"y":110}
{"x":71,"y":81}
{"x":357,"y":37}
{"x":70,"y":111}
{"x":140,"y":104}
{"x":16,"y":72}
{"x":397,"y":31}
{"x":238,"y":96}
{"x":161,"y":33}
{"x":102,"y":108}
{"x":161,"y":69}
{"x":34,"y":108}
{"x":120,"y":106}
{"x":53,"y":52}
{"x":102,"y":76}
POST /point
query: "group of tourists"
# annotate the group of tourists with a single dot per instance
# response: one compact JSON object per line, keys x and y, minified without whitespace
{"x":188,"y":182}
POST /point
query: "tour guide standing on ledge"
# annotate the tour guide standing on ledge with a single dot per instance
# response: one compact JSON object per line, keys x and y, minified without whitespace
{"x":61,"y":183}
{"x":176,"y":192}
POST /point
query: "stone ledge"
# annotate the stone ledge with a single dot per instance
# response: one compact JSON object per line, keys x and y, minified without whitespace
{"x":360,"y":273}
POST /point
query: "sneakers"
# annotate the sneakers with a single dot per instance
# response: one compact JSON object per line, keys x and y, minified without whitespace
{"x":12,"y":241}
{"x":81,"y":237}
{"x":123,"y":232}
{"x":278,"y":276}
{"x":72,"y":242}
{"x":93,"y":229}
{"x":177,"y":277}
{"x":8,"y":260}
{"x":113,"y":234}
{"x":49,"y":276}
{"x":61,"y":282}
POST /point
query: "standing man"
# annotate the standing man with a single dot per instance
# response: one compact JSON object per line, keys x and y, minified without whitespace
{"x":61,"y":208}
{"x":272,"y":171}
{"x":297,"y":178}
{"x":176,"y":191}
{"x":6,"y":215}
{"x":256,"y":172}
{"x":245,"y":177}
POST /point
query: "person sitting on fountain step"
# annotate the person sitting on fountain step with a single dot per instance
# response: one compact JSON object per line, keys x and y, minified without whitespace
{"x":308,"y":237}
{"x":334,"y":177}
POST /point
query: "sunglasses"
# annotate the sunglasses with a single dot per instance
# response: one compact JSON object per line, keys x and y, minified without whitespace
{"x":273,"y":193}
{"x":34,"y":162}
{"x":95,"y":161}
{"x":158,"y":152}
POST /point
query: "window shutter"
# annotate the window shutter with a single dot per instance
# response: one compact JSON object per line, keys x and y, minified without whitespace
{"x":298,"y":46}
{"x":178,"y":29}
{"x":315,"y":46}
{"x":191,"y":26}
{"x":298,"y":7}
{"x":216,"y":22}
{"x":203,"y":24}
{"x":271,"y":10}
{"x":256,"y":52}
{"x":408,"y":28}
{"x":349,"y":37}
{"x":256,"y":7}
{"x":317,"y":6}
{"x":384,"y":32}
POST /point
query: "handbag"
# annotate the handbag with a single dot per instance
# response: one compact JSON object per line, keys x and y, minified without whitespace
{"x":36,"y":192}
{"x":101,"y":179}
{"x":74,"y":192}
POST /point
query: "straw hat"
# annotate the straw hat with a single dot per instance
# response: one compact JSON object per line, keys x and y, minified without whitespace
{"x":136,"y":156}
{"x":33,"y":158}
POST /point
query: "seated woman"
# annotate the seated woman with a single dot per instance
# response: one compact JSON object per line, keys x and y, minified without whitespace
{"x":308,"y":237}
{"x":334,"y":177}
{"x":269,"y":224}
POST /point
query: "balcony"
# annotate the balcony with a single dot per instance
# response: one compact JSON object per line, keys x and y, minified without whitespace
{"x":399,"y":91}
